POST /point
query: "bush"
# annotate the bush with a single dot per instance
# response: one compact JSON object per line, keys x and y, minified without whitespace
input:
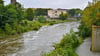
{"x":41,"y":19}
{"x":52,"y":22}
{"x":36,"y":25}
{"x":63,"y":16}
{"x":84,"y":31}
{"x":66,"y":47}
{"x":8,"y":29}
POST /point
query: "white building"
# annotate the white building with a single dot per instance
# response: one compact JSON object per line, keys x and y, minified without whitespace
{"x":56,"y":13}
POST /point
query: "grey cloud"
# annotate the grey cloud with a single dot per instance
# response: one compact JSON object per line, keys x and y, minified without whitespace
{"x":53,"y":3}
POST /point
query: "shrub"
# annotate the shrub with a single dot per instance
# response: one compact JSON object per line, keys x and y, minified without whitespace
{"x":84,"y":31}
{"x":63,"y":16}
{"x":36,"y":25}
{"x":66,"y":47}
{"x":41,"y":19}
{"x":8,"y":28}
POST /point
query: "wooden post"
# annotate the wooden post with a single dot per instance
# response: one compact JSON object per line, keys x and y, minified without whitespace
{"x":92,"y":37}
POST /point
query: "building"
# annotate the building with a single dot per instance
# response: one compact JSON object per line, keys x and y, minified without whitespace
{"x":56,"y":13}
{"x":13,"y":1}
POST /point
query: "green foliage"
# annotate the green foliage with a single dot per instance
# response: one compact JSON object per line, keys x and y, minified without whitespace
{"x":29,"y":14}
{"x":73,"y":12}
{"x":84,"y":31}
{"x":41,"y":19}
{"x":11,"y":17}
{"x":41,"y":11}
{"x":67,"y":46}
{"x":8,"y":28}
{"x":93,"y":13}
{"x":63,"y":16}
{"x":9,"y":13}
{"x":91,"y":16}
{"x":31,"y":25}
{"x":2,"y":18}
{"x":1,"y":2}
{"x":15,"y":20}
{"x":52,"y":22}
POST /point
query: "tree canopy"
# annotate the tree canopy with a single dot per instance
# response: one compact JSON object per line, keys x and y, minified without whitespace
{"x":29,"y":14}
{"x":63,"y":16}
{"x":73,"y":12}
{"x":41,"y":11}
{"x":91,"y":16}
{"x":1,"y":2}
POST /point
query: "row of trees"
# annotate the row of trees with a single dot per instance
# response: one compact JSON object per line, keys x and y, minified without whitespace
{"x":63,"y":16}
{"x":34,"y":13}
{"x":91,"y":16}
{"x":74,"y":12}
{"x":44,"y":12}
{"x":71,"y":13}
{"x":10,"y":13}
{"x":41,"y":11}
{"x":16,"y":19}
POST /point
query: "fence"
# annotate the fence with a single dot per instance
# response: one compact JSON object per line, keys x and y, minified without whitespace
{"x":95,"y":38}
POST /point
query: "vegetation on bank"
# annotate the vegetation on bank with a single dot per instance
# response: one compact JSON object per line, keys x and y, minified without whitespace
{"x":67,"y":46}
{"x":64,"y":16}
{"x":69,"y":43}
{"x":91,"y":16}
{"x":14,"y":19}
{"x":74,"y":12}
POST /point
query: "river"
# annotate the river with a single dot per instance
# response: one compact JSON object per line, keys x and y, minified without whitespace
{"x":33,"y":43}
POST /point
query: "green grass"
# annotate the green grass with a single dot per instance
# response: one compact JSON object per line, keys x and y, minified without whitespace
{"x":56,"y":21}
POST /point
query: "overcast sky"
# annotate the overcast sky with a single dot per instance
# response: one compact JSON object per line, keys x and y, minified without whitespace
{"x":65,"y":4}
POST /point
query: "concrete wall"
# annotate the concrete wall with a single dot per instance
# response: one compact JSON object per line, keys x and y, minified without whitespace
{"x":95,"y":38}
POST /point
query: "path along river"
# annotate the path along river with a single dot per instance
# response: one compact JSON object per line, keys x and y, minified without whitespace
{"x":34,"y":42}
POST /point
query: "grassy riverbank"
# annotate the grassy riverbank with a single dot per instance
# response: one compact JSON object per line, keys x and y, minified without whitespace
{"x":67,"y":46}
{"x":26,"y":26}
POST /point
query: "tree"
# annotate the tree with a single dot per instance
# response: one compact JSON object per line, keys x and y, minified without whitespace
{"x":1,"y":2}
{"x":73,"y":12}
{"x":2,"y":9}
{"x":41,"y":11}
{"x":10,"y":14}
{"x":91,"y":16}
{"x":63,"y":16}
{"x":29,"y":14}
{"x":20,"y":12}
{"x":2,"y":18}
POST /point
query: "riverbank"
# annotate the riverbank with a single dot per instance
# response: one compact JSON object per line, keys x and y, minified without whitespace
{"x":34,"y":42}
{"x":31,"y":25}
{"x":67,"y":46}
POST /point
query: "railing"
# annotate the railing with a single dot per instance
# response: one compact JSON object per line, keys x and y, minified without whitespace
{"x":95,"y":38}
